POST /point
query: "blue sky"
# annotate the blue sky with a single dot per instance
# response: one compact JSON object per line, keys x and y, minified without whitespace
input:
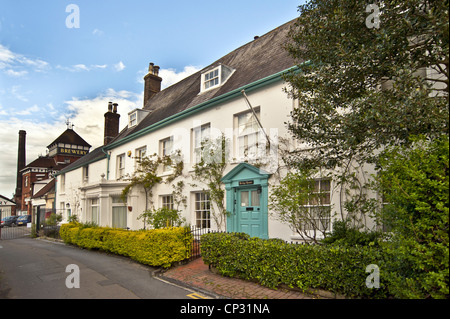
{"x":50,"y":72}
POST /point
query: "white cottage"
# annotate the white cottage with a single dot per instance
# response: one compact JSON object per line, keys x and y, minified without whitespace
{"x":241,"y":96}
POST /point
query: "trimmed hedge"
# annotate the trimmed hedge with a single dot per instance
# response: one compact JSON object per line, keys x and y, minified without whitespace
{"x":156,"y":247}
{"x":273,"y":262}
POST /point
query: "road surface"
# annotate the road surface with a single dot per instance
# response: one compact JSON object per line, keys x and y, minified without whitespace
{"x":32,"y":268}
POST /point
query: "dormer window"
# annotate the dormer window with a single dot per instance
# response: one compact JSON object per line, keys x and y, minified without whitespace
{"x":136,"y":116}
{"x":215,"y":77}
{"x":212,"y":79}
{"x":132,"y":119}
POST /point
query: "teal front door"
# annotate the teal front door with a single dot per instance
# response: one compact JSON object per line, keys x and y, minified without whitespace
{"x":249,"y":215}
{"x":247,"y":200}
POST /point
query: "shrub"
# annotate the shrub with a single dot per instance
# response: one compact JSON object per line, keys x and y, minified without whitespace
{"x":344,"y":234}
{"x":156,"y":247}
{"x":163,"y":217}
{"x":415,"y":182}
{"x":274,"y":262}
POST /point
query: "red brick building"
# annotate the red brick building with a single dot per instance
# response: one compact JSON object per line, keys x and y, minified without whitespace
{"x":64,"y":150}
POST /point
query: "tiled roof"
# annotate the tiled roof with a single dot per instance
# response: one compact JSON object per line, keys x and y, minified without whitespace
{"x":253,"y":61}
{"x":70,"y":137}
{"x":44,"y":190}
{"x":256,"y":60}
{"x":45,"y":162}
{"x":90,"y":157}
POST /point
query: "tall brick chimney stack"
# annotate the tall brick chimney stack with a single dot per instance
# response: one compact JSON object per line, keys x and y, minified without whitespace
{"x":152,"y":82}
{"x":111,"y":123}
{"x":21,"y":155}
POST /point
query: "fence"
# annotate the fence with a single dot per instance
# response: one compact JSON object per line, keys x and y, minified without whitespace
{"x":195,"y":247}
{"x":47,"y":223}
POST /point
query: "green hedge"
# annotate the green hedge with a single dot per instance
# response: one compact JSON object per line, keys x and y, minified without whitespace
{"x":273,"y":262}
{"x":156,"y":247}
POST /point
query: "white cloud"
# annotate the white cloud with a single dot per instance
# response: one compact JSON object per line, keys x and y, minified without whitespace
{"x":2,"y":112}
{"x":14,"y":90}
{"x":97,"y":66}
{"x":119,"y":66}
{"x":170,"y":76}
{"x":81,"y":67}
{"x":6,"y":56}
{"x":12,"y":61}
{"x":97,"y":32}
{"x":16,"y":73}
{"x":86,"y":114}
{"x":28,"y":111}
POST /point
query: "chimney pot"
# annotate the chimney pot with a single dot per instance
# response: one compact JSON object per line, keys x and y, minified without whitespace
{"x":152,"y":82}
{"x":156,"y":70}
{"x":111,"y":123}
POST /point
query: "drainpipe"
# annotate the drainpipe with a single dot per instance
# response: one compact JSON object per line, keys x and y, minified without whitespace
{"x":108,"y":157}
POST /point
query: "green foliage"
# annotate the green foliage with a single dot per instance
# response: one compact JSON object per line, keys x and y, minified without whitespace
{"x":415,"y":183}
{"x":53,"y":219}
{"x":274,"y":262}
{"x":163,"y":217}
{"x":147,"y":176}
{"x":157,"y":247}
{"x":345,"y":234}
{"x":342,"y":112}
{"x":209,"y":170}
{"x":289,"y":200}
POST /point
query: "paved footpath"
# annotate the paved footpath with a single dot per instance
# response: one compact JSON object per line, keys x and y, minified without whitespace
{"x":198,"y":276}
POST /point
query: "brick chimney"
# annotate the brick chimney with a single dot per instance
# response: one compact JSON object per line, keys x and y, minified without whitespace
{"x":21,"y":155}
{"x":152,"y":82}
{"x":111,"y":123}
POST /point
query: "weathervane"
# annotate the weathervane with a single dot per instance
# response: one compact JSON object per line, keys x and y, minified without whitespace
{"x":69,"y":125}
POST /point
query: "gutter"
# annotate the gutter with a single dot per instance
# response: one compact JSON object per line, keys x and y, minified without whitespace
{"x":195,"y":109}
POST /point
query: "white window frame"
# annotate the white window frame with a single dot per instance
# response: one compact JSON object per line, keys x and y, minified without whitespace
{"x":312,"y":205}
{"x":85,"y":174}
{"x":139,"y":154}
{"x":62,"y":182}
{"x":120,"y":166}
{"x":199,"y":134}
{"x":211,"y":79}
{"x":167,"y":201}
{"x":165,"y":150}
{"x":202,"y":210}
{"x":242,"y":139}
{"x":94,"y":203}
{"x":132,"y":119}
{"x":116,"y":202}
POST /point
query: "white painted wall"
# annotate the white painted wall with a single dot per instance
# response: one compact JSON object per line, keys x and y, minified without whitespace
{"x":275,"y":108}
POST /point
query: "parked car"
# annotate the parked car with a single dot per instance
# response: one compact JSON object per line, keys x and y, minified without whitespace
{"x":9,"y":221}
{"x":23,"y":220}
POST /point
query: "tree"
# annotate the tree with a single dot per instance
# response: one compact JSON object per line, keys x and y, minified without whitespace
{"x":414,"y":182}
{"x":342,"y":113}
{"x":297,"y":202}
{"x":147,"y":176}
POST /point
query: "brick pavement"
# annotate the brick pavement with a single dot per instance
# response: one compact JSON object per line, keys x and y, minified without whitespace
{"x":197,"y":275}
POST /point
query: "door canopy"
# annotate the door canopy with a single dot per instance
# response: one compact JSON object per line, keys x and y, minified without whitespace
{"x":245,"y":174}
{"x":247,"y":184}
